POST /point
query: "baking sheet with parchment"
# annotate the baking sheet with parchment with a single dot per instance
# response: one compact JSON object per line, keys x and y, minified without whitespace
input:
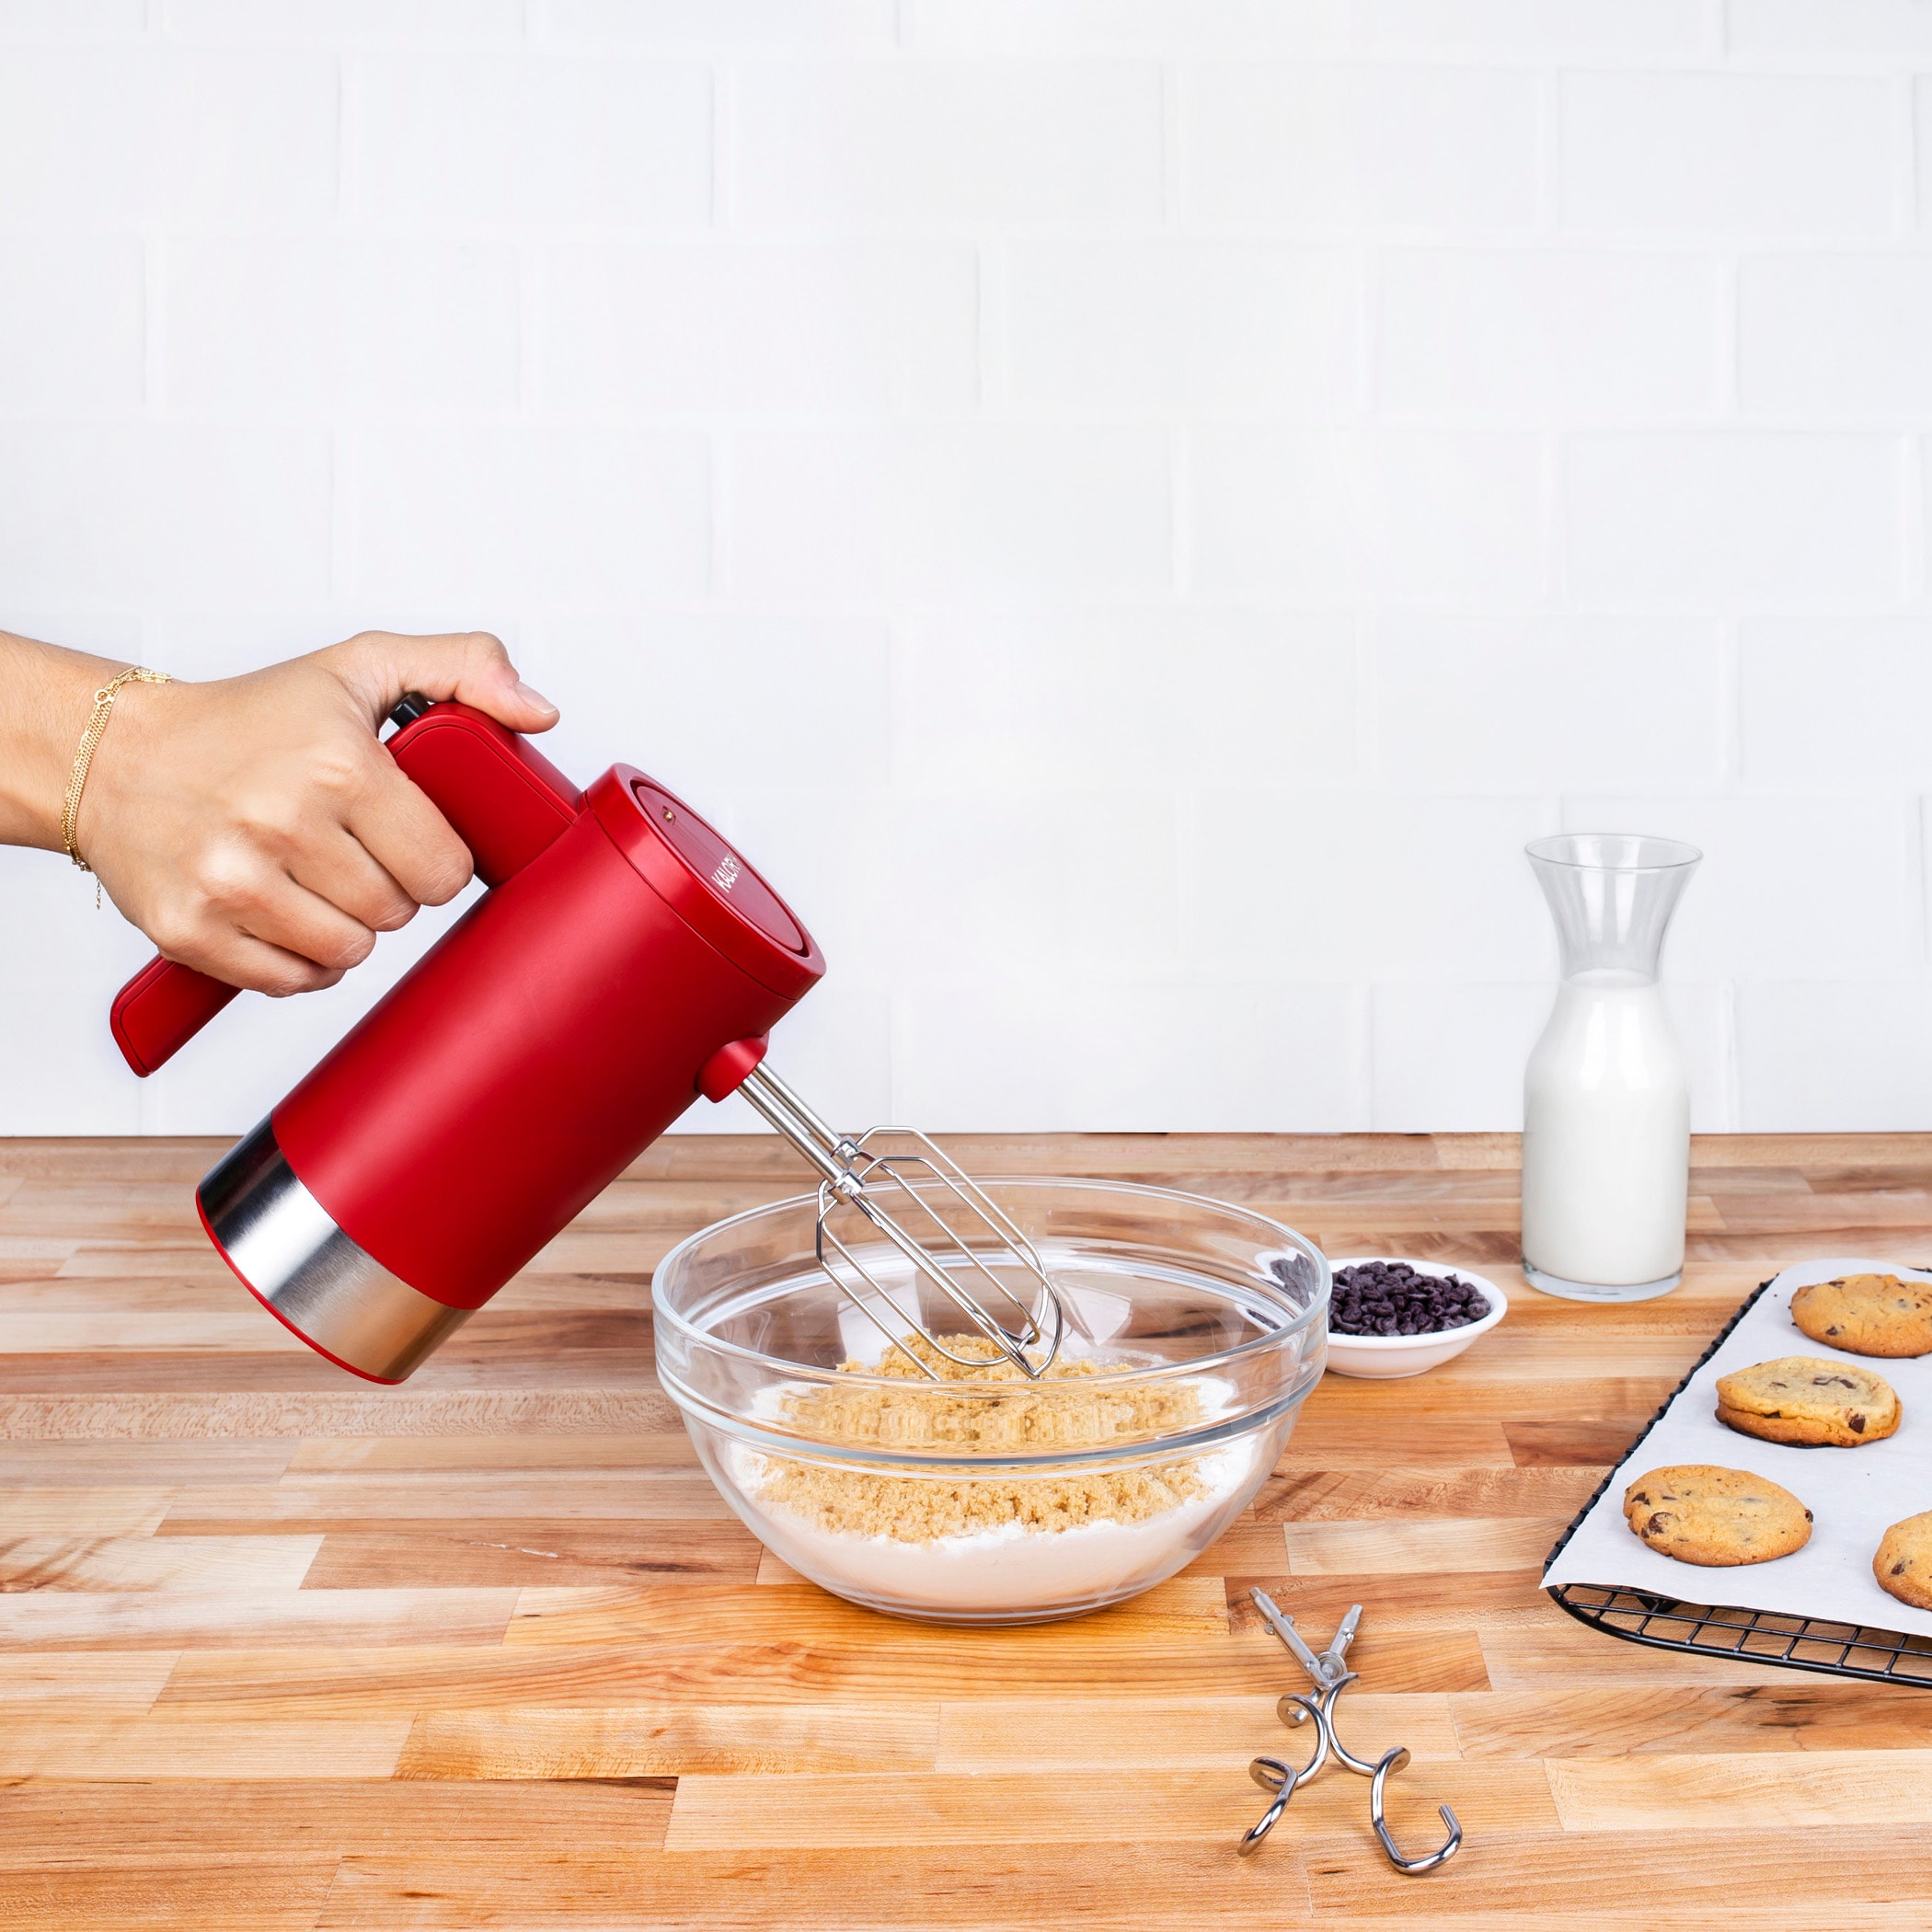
{"x":1855,"y":1495}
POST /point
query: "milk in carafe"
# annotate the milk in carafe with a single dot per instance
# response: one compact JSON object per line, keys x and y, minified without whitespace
{"x":1606,"y":1095}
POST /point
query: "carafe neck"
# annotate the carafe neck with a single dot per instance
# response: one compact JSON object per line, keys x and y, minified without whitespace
{"x":1612,"y":896}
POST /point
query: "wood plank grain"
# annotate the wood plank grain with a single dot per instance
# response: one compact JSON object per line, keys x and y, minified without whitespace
{"x":1738,"y":1791}
{"x":1598,"y":1446}
{"x":1105,"y":1735}
{"x":92,"y":1681}
{"x":1325,"y":1438}
{"x":1397,"y":1544}
{"x":344,"y":1501}
{"x":737,"y":1670}
{"x":166,"y":1827}
{"x":1799,"y":1714}
{"x":810,"y":1812}
{"x":155,"y":1563}
{"x":420,"y":1555}
{"x":1368,"y":1495}
{"x":1115,"y":1888}
{"x":205,"y":1620}
{"x":1539,"y":1878}
{"x":93,"y":1464}
{"x":521,"y":1625}
{"x":79,"y":1511}
{"x":175,"y":1744}
{"x":670,"y":1740}
{"x":265,"y":1895}
{"x":140,"y":1414}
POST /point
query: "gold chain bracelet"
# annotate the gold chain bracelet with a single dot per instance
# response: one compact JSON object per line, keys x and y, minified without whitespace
{"x":84,"y":755}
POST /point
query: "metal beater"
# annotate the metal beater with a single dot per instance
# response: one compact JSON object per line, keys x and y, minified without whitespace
{"x":858,"y":1178}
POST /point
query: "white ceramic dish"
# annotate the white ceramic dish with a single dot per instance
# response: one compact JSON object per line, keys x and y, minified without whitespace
{"x":1384,"y":1357}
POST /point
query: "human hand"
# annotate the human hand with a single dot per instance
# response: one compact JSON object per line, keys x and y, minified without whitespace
{"x":256,"y":829}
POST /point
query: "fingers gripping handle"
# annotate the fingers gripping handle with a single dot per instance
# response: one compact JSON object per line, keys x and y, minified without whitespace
{"x":503,"y":799}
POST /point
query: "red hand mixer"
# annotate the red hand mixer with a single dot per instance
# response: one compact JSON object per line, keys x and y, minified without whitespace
{"x":623,"y":961}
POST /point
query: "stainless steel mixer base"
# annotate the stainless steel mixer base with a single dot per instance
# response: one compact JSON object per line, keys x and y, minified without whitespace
{"x":300,"y":1265}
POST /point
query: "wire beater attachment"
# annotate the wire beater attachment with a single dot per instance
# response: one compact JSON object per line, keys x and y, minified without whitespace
{"x":857,"y":1179}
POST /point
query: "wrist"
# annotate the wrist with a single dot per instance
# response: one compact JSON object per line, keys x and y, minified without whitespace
{"x":50,"y":698}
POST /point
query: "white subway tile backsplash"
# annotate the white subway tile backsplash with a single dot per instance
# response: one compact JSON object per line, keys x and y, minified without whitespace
{"x":1844,"y":30}
{"x":1138,"y":326}
{"x":726,"y":26}
{"x":1726,"y":154}
{"x":1823,"y":1057}
{"x":121,"y":133}
{"x":718,"y":705}
{"x":690,"y":331}
{"x":139,"y":513}
{"x":1547,"y":705}
{"x":487,"y":142}
{"x":1833,"y":336}
{"x":1624,"y":27}
{"x":1400,"y":516}
{"x":72,"y":325}
{"x":1452,"y":1053}
{"x":1362,"y":881}
{"x":72,"y":19}
{"x":1835,"y":700}
{"x":1067,"y":1052}
{"x":1029,"y":885}
{"x":1735,"y":521}
{"x":1792,"y":887}
{"x":341,"y":22}
{"x":1131,"y":512}
{"x":1088,"y":28}
{"x":1117,"y":699}
{"x":934,"y":144}
{"x":486,"y":518}
{"x":986,"y":513}
{"x":1360,"y":147}
{"x":1549,"y":336}
{"x":308,"y":328}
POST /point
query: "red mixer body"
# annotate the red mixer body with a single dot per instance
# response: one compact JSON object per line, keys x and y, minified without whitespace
{"x":548,"y":1038}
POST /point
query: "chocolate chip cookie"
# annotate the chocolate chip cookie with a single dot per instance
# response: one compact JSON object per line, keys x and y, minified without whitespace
{"x":1903,"y":1564}
{"x":1866,"y":1314}
{"x":1799,"y":1398}
{"x":1699,"y":1513}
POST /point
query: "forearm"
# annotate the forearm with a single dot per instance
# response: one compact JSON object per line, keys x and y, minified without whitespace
{"x":46,"y":698}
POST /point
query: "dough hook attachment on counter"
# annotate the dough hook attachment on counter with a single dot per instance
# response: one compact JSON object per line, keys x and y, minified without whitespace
{"x":1331,"y":1676}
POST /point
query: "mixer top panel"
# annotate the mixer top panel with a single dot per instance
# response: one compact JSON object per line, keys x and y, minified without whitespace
{"x":717,"y":863}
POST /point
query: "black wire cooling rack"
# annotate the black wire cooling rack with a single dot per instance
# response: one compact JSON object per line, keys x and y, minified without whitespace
{"x":1798,"y":1643}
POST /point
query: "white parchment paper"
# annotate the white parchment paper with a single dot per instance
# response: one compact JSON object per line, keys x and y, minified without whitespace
{"x":1855,"y":1495}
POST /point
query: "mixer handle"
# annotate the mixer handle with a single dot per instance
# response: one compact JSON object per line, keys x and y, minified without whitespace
{"x":503,"y":799}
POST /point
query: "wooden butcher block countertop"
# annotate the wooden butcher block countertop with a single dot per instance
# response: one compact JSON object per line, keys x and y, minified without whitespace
{"x":278,"y":1649}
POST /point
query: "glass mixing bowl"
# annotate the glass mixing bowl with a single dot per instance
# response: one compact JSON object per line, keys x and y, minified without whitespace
{"x":1195,"y":1330}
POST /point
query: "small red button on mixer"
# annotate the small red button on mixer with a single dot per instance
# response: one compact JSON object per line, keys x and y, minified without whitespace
{"x":623,"y":961}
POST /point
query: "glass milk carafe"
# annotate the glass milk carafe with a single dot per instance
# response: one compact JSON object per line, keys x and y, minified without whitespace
{"x":1606,"y":1097}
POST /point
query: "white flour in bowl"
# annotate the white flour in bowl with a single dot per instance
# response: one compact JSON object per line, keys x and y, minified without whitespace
{"x":952,"y":1541}
{"x":1011,"y":1566}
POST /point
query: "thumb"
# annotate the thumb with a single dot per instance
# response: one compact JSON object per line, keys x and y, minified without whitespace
{"x":472,"y":666}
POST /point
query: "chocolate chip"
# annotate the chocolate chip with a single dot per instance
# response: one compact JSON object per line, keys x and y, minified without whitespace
{"x":1900,"y":1567}
{"x":1393,"y":1298}
{"x":1856,"y":1424}
{"x":1808,"y":1516}
{"x":1658,"y":1523}
{"x":1831,"y":1331}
